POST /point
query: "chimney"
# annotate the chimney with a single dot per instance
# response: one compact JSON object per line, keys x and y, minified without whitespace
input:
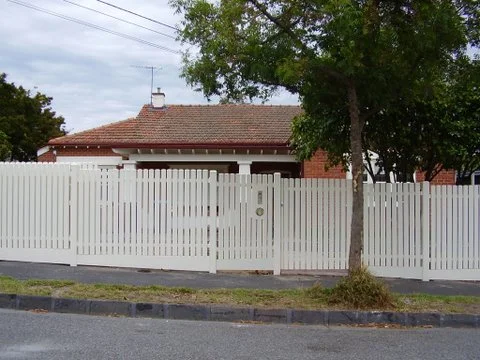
{"x":158,"y":99}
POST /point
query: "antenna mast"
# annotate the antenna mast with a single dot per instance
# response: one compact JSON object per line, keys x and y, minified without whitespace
{"x":151,"y":68}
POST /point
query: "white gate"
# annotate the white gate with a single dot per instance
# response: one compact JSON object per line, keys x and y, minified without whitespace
{"x":145,"y":218}
{"x":316,"y":215}
{"x":245,"y":222}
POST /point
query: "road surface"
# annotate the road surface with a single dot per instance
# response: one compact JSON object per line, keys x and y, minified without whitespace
{"x":28,"y":335}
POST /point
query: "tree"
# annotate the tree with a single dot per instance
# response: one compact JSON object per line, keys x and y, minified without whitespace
{"x":436,"y":129}
{"x":343,"y":57}
{"x":5,"y":147}
{"x":464,"y":116}
{"x":27,"y":122}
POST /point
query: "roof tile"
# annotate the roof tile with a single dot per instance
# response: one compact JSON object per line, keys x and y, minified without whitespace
{"x":194,"y":125}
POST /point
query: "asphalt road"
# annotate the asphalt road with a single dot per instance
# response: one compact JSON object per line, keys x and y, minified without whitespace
{"x":91,"y":274}
{"x":27,"y":335}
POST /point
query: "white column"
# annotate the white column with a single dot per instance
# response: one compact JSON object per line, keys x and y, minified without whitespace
{"x":244,"y":167}
{"x":129,"y":164}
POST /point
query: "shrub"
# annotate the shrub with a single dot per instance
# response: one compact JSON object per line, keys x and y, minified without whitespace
{"x":361,"y":290}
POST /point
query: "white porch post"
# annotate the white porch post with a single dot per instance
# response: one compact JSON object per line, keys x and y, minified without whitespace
{"x":244,"y":167}
{"x":129,"y":164}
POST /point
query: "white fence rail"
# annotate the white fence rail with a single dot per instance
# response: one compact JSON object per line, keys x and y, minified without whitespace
{"x":198,"y":220}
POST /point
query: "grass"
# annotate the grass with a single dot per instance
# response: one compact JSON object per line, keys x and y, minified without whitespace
{"x":313,"y":298}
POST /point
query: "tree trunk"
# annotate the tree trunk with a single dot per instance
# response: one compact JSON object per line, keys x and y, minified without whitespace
{"x":356,"y":235}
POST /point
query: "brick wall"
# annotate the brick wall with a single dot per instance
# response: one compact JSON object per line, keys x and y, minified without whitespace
{"x":73,"y":151}
{"x":444,"y":177}
{"x":47,"y":157}
{"x":315,"y":168}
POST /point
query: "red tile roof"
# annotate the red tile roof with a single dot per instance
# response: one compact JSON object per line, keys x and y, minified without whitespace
{"x":104,"y":135}
{"x":195,"y":125}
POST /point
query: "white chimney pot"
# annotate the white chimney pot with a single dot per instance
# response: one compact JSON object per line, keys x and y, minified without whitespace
{"x":158,"y":99}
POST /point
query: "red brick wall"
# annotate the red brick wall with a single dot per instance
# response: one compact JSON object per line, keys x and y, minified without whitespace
{"x":47,"y":157}
{"x":72,"y":151}
{"x":315,"y":168}
{"x":444,"y":177}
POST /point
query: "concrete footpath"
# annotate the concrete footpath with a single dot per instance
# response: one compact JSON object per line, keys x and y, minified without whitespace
{"x":88,"y":274}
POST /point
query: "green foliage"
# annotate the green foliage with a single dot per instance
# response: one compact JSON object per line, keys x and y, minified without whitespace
{"x":436,"y":128}
{"x":249,"y":48}
{"x":361,"y":290}
{"x":5,"y":147}
{"x":27,"y":122}
{"x":464,"y":117}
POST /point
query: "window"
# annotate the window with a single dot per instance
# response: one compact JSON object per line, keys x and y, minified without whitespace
{"x":476,"y":178}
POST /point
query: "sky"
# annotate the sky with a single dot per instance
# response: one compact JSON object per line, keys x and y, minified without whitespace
{"x":95,"y":77}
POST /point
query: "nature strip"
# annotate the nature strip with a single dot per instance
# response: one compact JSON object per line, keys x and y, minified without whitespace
{"x":234,"y":314}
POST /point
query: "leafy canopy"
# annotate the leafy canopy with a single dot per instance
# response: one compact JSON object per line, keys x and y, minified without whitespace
{"x":429,"y":131}
{"x":27,"y":122}
{"x":249,"y":48}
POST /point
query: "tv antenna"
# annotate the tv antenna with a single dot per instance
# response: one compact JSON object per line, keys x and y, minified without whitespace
{"x":151,"y":68}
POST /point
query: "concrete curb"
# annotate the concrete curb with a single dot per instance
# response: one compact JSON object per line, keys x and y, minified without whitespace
{"x":226,"y":313}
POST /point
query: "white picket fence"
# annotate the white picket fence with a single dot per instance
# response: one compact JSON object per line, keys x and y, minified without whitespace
{"x":204,"y":221}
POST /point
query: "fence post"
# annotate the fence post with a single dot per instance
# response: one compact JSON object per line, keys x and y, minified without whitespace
{"x":212,"y":185}
{"x":277,"y":223}
{"x":425,"y":230}
{"x":73,"y":221}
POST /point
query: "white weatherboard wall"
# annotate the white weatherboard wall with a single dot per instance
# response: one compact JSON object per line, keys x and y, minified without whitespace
{"x":204,"y":221}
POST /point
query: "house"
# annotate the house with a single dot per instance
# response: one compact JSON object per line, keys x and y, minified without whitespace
{"x":244,"y":138}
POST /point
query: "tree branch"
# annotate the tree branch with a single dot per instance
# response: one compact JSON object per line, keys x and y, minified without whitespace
{"x":286,"y":28}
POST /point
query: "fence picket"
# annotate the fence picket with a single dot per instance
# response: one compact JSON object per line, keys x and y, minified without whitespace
{"x":476,"y":227}
{"x":315,"y":221}
{"x":341,"y":226}
{"x":232,"y":214}
{"x":410,"y":224}
{"x":469,"y":228}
